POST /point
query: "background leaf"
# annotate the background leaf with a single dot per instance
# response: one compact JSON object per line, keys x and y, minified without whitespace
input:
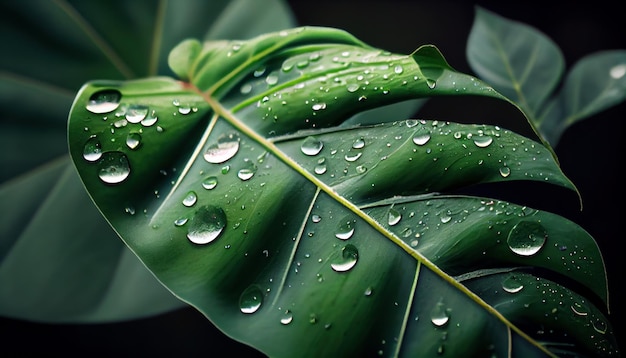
{"x":85,"y":273}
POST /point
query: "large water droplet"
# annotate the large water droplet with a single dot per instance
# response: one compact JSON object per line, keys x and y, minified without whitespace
{"x":133,"y":140}
{"x":353,"y":155}
{"x":114,"y":167}
{"x":150,"y":119}
{"x":439,"y":315}
{"x":421,"y":139}
{"x":287,"y":317}
{"x":209,"y":183}
{"x":526,"y":238}
{"x":190,"y":199}
{"x":207,"y":224}
{"x":104,"y":101}
{"x":483,"y":141}
{"x":505,"y":172}
{"x":226,"y":147}
{"x":349,"y":257}
{"x":136,"y":113}
{"x":359,"y":143}
{"x":247,"y":171}
{"x":345,"y":229}
{"x":251,"y":299}
{"x":393,"y":217}
{"x":92,"y":150}
{"x":311,"y":146}
{"x":511,"y":284}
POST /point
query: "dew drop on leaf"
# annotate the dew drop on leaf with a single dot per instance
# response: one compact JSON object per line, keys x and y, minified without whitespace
{"x":352,"y":87}
{"x":526,"y":238}
{"x":133,"y":140}
{"x":439,"y":315}
{"x":349,"y":257}
{"x":311,"y":146}
{"x":92,"y":150}
{"x":247,"y":172}
{"x":421,"y":139}
{"x":136,"y":113}
{"x":190,"y":199}
{"x":150,"y":119}
{"x":206,"y":225}
{"x":251,"y":299}
{"x":580,"y":308}
{"x":483,"y":141}
{"x":511,"y":284}
{"x":226,"y":147}
{"x":359,"y":143}
{"x":209,"y":182}
{"x":505,"y":171}
{"x":287,"y":317}
{"x":393,"y":217}
{"x":114,"y":168}
{"x":345,"y":229}
{"x":104,"y":101}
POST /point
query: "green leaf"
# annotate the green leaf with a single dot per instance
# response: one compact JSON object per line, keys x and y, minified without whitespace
{"x":588,"y":89}
{"x":61,"y":261}
{"x":246,"y":195}
{"x":516,"y":59}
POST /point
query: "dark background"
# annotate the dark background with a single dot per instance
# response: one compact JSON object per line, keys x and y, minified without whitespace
{"x":591,"y":154}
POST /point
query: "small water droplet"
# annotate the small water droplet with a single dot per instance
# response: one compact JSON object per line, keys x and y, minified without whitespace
{"x":345,"y":229}
{"x":133,"y":140}
{"x":349,"y":257}
{"x":393,"y":217}
{"x":368,"y":291}
{"x":316,"y":218}
{"x":421,"y":139}
{"x":207,"y":224}
{"x":599,"y":325}
{"x":251,"y":299}
{"x":190,"y":199}
{"x":92,"y":150}
{"x":186,"y":109}
{"x":483,"y":141}
{"x":246,"y":88}
{"x":150,"y":119}
{"x":226,"y":147}
{"x":398,"y":69}
{"x":511,"y":284}
{"x":311,"y":146}
{"x":360,"y":169}
{"x":209,"y":183}
{"x":353,"y":155}
{"x":526,"y":238}
{"x":136,"y":113}
{"x":431,"y":83}
{"x":271,"y":80}
{"x":114,"y":168}
{"x":505,"y":171}
{"x":319,"y":106}
{"x":352,"y":87}
{"x":287,"y":317}
{"x":439,"y":315}
{"x":180,"y":222}
{"x":359,"y":143}
{"x":618,"y":71}
{"x":580,"y":308}
{"x":104,"y":101}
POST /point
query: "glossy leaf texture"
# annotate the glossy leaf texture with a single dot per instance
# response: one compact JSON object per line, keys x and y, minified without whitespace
{"x":525,"y":65}
{"x":60,"y":261}
{"x":241,"y":190}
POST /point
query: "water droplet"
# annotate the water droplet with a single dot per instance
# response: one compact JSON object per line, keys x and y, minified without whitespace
{"x":209,"y":183}
{"x":505,"y":172}
{"x":359,"y":143}
{"x":483,"y":141}
{"x":311,"y":146}
{"x":190,"y":199}
{"x":207,"y":224}
{"x":353,"y":155}
{"x":431,"y":83}
{"x":618,"y":71}
{"x":226,"y":147}
{"x":133,"y":140}
{"x":421,"y":139}
{"x":368,"y":291}
{"x":271,"y":80}
{"x":599,"y":325}
{"x":180,"y":222}
{"x":320,"y":168}
{"x":393,"y":217}
{"x":186,"y":109}
{"x":287,"y":317}
{"x":251,"y":299}
{"x":316,"y":218}
{"x":345,"y":229}
{"x":136,"y":113}
{"x":114,"y":167}
{"x":150,"y":120}
{"x":319,"y":106}
{"x":360,"y":169}
{"x":398,"y":69}
{"x":247,"y":172}
{"x":353,"y":87}
{"x":246,"y":88}
{"x":104,"y":101}
{"x":349,"y":257}
{"x":92,"y":150}
{"x":580,"y":308}
{"x":439,"y":316}
{"x":511,"y":284}
{"x":526,"y":238}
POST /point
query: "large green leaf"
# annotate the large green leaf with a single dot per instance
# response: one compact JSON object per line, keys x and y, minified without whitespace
{"x":60,"y":260}
{"x":525,"y":65}
{"x":241,"y":190}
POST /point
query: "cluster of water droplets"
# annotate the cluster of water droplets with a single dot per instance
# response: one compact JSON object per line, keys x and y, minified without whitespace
{"x":134,"y":118}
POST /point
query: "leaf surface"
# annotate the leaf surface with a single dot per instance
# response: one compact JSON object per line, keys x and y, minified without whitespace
{"x":240,"y":189}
